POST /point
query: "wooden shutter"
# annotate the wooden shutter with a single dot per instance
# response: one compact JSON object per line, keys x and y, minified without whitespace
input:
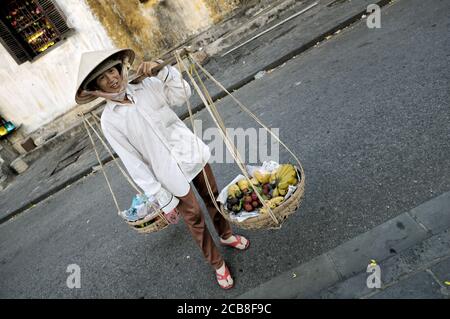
{"x":55,"y":15}
{"x":12,"y":45}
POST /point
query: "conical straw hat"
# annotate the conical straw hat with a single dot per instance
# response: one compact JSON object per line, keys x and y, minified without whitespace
{"x":90,"y":61}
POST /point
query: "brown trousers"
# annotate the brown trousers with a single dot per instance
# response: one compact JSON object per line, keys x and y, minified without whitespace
{"x":189,"y":209}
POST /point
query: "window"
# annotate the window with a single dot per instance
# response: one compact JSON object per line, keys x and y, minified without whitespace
{"x":28,"y":28}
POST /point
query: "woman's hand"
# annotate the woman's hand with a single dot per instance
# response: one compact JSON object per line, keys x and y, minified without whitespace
{"x":172,"y":216}
{"x":147,"y":68}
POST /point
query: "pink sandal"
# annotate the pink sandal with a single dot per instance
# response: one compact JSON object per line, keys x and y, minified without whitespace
{"x":226,"y":276}
{"x":238,"y":241}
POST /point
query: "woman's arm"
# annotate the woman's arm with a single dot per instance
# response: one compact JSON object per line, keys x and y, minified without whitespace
{"x":168,"y":81}
{"x":173,"y":86}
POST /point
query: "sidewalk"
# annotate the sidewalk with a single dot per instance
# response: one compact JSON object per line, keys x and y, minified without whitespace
{"x":72,"y":158}
{"x":412,"y":250}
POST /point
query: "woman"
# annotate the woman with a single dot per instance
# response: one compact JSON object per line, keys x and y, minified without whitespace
{"x":160,"y":153}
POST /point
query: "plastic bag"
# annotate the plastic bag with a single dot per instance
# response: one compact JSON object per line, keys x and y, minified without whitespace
{"x":142,"y":206}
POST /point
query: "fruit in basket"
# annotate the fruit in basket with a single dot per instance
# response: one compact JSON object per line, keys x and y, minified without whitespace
{"x":258,"y":188}
{"x":262,"y":177}
{"x":243,"y":185}
{"x":284,"y":173}
{"x":232,"y":200}
{"x":287,"y":174}
{"x":254,"y":181}
{"x":255,"y":204}
{"x":273,"y":177}
{"x":237,"y":207}
{"x":266,"y":189}
{"x":248,"y":199}
{"x":248,"y":207}
{"x":282,"y":177}
{"x":283,"y":185}
{"x":234,"y":191}
{"x":254,"y":196}
{"x":272,"y":203}
{"x":277,"y":200}
{"x":275,"y":192}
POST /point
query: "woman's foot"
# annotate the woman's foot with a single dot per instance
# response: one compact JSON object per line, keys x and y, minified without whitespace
{"x":236,"y":241}
{"x":224,"y":277}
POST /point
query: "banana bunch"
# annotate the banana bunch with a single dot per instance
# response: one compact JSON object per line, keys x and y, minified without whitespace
{"x":243,"y":185}
{"x":262,"y":177}
{"x":284,"y":176}
{"x":272,"y":203}
{"x":234,"y":191}
{"x":254,"y":181}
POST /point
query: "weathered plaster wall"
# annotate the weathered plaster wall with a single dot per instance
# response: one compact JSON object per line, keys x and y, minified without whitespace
{"x":153,"y":26}
{"x":33,"y":94}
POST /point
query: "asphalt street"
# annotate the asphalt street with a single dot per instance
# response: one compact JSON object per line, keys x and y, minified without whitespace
{"x":367,"y":112}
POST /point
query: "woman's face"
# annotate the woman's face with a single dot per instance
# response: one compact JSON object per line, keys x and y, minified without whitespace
{"x":109,"y":81}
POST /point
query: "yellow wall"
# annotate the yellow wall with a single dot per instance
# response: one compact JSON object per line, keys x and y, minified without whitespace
{"x":153,"y":26}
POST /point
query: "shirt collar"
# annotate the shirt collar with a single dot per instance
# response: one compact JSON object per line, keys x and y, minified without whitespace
{"x":131,"y":93}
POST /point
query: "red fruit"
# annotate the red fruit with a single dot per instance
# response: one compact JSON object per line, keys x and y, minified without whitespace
{"x":254,"y":196}
{"x":247,"y":199}
{"x":248,"y":207}
{"x":255,"y":204}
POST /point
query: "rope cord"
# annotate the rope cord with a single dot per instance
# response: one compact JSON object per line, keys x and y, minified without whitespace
{"x":219,"y":123}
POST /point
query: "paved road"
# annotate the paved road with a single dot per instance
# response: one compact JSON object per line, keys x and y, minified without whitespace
{"x":367,"y":112}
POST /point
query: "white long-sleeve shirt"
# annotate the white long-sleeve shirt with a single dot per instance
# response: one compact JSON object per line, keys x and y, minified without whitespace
{"x":159,"y":151}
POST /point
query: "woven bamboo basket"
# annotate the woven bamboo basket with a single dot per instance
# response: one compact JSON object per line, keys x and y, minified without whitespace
{"x":281,"y":212}
{"x":149,"y":224}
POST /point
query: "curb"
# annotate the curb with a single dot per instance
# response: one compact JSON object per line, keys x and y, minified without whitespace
{"x":352,"y":257}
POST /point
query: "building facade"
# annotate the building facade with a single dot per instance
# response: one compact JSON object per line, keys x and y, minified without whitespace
{"x":42,"y":42}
